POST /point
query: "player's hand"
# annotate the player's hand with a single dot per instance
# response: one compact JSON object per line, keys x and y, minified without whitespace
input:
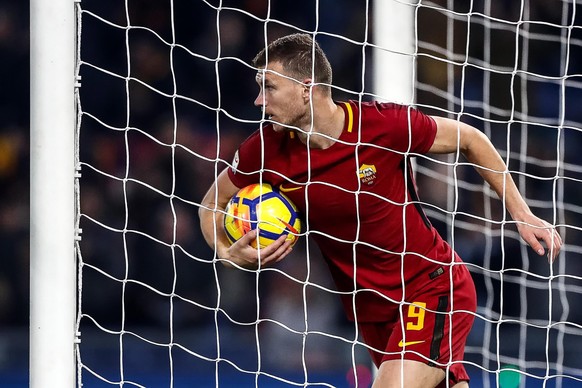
{"x":535,"y":231}
{"x":247,"y":256}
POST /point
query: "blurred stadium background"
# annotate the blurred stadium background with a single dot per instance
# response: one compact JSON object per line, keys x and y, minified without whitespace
{"x":195,"y":28}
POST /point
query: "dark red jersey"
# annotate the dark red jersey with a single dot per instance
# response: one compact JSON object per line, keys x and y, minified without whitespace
{"x":359,"y":202}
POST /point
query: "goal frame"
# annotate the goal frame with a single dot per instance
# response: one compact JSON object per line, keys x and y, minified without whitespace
{"x":52,"y":204}
{"x":394,"y":68}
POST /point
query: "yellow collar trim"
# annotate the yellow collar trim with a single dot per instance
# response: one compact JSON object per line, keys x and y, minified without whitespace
{"x":350,"y":116}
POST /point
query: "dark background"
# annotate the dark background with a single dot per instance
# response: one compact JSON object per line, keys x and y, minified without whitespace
{"x":145,"y":266}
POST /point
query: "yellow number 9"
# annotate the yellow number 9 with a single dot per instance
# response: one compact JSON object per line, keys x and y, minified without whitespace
{"x":416,"y":312}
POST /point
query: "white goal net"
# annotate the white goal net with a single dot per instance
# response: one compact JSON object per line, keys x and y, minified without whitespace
{"x":167,"y":95}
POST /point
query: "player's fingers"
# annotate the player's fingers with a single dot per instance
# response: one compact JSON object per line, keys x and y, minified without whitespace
{"x":533,"y":241}
{"x":273,"y":247}
{"x":552,"y":240}
{"x":558,"y":237}
{"x":285,"y":250}
{"x":556,"y":246}
{"x":548,"y":236}
{"x":535,"y":232}
{"x":276,"y":251}
{"x":243,"y":250}
{"x":277,"y":257}
{"x":248,"y":237}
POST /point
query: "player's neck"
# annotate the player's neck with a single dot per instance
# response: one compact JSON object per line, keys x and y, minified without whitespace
{"x":328,"y":124}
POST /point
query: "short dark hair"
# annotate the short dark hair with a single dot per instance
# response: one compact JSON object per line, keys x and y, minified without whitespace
{"x":295,"y":52}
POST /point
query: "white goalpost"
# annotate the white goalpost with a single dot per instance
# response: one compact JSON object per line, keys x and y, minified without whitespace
{"x":167,"y":96}
{"x":52,"y":210}
{"x":394,"y":64}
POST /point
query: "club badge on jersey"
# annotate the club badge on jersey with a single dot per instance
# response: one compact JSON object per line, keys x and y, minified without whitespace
{"x":367,"y":174}
{"x":235,"y":161}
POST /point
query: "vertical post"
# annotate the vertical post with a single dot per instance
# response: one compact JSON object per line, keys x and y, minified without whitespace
{"x":394,"y":61}
{"x":52,"y":258}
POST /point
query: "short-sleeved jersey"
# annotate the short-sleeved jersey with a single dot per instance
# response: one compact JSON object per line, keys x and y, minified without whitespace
{"x":359,"y":201}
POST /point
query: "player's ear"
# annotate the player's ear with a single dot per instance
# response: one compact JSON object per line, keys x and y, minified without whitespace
{"x":306,"y":83}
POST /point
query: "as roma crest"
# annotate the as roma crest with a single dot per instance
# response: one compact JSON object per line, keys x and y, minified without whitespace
{"x":367,"y":174}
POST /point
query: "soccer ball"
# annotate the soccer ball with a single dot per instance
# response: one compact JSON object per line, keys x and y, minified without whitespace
{"x":259,"y":206}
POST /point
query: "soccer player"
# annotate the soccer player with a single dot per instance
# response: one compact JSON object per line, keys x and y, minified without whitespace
{"x":346,"y":166}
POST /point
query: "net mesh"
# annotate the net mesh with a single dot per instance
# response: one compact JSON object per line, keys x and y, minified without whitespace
{"x":166,"y":97}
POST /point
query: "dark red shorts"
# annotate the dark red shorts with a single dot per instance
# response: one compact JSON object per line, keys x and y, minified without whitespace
{"x":432,"y":329}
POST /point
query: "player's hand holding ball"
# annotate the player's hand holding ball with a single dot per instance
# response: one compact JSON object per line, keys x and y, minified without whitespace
{"x":259,"y":216}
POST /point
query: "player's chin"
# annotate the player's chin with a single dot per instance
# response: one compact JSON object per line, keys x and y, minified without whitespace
{"x":278,"y":127}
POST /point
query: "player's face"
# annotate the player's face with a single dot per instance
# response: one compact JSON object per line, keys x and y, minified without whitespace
{"x":281,"y":98}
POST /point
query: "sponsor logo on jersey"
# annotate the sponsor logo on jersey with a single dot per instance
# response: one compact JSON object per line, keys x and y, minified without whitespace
{"x":402,"y":344}
{"x":367,"y":174}
{"x":288,"y":189}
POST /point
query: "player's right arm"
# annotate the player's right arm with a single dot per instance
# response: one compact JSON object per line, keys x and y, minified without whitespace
{"x":241,"y":253}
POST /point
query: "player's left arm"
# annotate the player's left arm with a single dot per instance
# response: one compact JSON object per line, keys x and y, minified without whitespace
{"x":453,"y":136}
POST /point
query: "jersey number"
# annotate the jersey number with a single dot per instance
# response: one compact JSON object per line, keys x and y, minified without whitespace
{"x":416,"y":313}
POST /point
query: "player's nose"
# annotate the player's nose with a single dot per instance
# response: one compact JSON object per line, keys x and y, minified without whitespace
{"x":260,"y":101}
